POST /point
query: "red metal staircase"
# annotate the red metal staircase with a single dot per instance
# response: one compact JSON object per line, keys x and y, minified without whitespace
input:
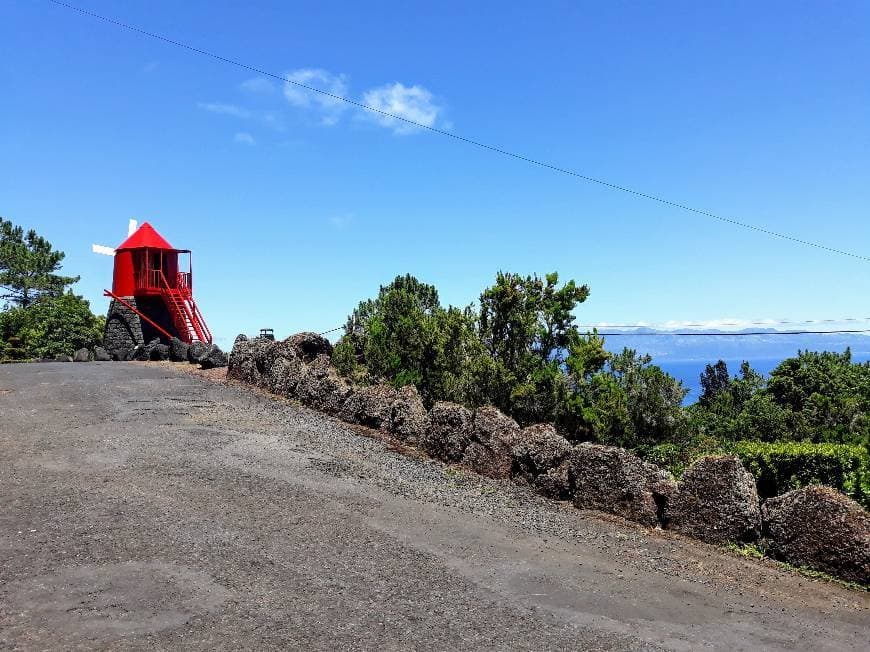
{"x":186,"y":317}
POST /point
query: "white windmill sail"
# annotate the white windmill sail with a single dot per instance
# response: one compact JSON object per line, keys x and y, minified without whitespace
{"x":103,"y":249}
{"x":110,"y":251}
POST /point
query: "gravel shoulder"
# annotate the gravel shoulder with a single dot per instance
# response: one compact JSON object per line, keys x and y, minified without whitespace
{"x":143,"y":506}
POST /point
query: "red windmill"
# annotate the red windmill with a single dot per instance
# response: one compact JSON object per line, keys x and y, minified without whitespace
{"x":151,"y":296}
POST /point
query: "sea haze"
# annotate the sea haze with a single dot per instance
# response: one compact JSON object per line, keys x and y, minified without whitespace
{"x":685,"y":356}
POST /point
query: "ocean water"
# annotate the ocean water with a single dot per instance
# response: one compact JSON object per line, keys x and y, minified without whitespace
{"x":689,"y":371}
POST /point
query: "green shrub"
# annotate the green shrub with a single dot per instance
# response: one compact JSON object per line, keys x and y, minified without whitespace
{"x":782,"y":466}
{"x":668,"y":456}
{"x":12,"y":349}
{"x":676,"y":456}
{"x":52,"y":325}
{"x":344,"y":357}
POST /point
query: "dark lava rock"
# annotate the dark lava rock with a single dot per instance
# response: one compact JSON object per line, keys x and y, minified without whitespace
{"x":265,"y":352}
{"x":820,"y":528}
{"x":101,"y":355}
{"x":122,"y":354}
{"x":490,"y":424}
{"x":322,"y":388}
{"x":716,"y":501}
{"x":555,"y":483}
{"x":265,"y":363}
{"x":196,"y":352}
{"x":82,"y":355}
{"x":494,"y":460}
{"x":538,"y":449}
{"x":613,"y":480}
{"x":178,"y":350}
{"x":334,"y":393}
{"x":309,"y":345}
{"x":250,"y":360}
{"x":214,"y":358}
{"x":140,"y":352}
{"x":159,"y":352}
{"x":449,"y":431}
{"x":285,"y":370}
{"x":369,"y":406}
{"x":493,"y":435}
{"x":240,"y":356}
{"x":408,"y":417}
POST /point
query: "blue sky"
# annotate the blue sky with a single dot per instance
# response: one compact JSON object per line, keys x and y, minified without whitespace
{"x":297,"y":208}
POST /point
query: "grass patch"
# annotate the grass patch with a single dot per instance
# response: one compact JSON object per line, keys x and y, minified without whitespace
{"x":746,"y":550}
{"x":752,"y":551}
{"x":819,"y":575}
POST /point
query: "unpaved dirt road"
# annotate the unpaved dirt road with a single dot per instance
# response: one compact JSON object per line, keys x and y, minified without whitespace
{"x":141,"y":507}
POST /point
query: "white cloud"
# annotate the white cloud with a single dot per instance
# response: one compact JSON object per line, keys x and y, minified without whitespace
{"x":225,"y":109}
{"x":413,"y":103}
{"x":258,"y":85}
{"x":724,"y":324}
{"x":244,"y":138}
{"x":330,"y":108}
{"x":270,"y":119}
{"x":397,"y":102}
{"x":340,"y":221}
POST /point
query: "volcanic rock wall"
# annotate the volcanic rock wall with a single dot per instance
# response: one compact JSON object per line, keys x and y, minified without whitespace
{"x":715,"y":501}
{"x":123,"y":327}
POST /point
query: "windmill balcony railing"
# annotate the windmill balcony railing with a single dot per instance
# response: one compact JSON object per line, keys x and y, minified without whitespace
{"x":182,"y":280}
{"x":155,"y":281}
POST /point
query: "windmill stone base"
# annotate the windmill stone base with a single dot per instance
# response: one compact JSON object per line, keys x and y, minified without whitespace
{"x":123,"y":329}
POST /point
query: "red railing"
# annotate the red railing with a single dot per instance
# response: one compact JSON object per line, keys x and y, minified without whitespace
{"x":185,"y":316}
{"x":155,"y":279}
{"x":201,"y":321}
{"x":182,"y":282}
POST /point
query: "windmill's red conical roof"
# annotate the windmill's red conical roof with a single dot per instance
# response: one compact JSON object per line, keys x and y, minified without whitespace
{"x":145,"y":236}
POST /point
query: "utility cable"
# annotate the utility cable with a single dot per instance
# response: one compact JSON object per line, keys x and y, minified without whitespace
{"x":469,"y":141}
{"x":702,"y":333}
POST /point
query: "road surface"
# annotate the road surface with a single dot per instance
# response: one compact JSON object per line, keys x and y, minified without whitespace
{"x":145,"y":507}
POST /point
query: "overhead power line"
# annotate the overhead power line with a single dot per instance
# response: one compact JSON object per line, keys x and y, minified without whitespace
{"x":699,"y":333}
{"x":469,"y":141}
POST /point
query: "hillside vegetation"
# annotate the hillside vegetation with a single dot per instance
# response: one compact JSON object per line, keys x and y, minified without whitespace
{"x":39,"y":318}
{"x":519,"y":350}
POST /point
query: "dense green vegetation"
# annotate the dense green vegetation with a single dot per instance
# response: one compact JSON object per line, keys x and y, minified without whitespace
{"x":781,"y":466}
{"x":816,"y":397}
{"x":809,"y":422}
{"x":40,"y":318}
{"x":519,"y":350}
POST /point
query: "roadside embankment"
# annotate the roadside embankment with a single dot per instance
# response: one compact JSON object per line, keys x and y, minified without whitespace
{"x":715,"y":500}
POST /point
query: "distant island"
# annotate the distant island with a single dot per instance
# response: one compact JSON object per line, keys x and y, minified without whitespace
{"x":730,"y":345}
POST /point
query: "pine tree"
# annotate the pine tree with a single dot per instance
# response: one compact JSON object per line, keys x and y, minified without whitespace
{"x":714,"y":381}
{"x":28,"y":264}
